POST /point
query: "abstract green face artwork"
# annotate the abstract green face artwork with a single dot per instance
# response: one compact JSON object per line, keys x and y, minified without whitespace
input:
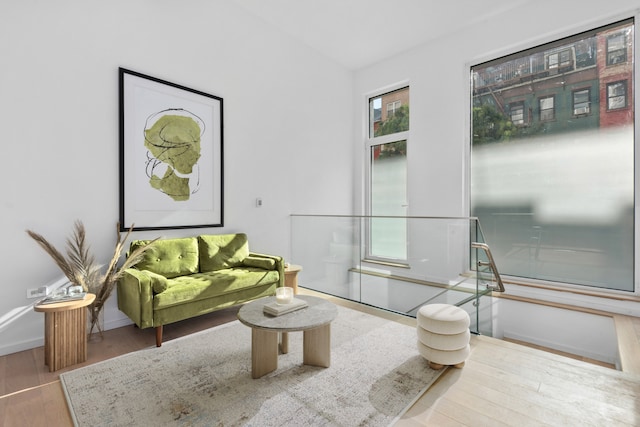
{"x":173,"y":141}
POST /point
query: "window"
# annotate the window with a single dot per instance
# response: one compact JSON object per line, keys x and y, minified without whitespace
{"x":547,"y":112}
{"x":581,"y":102}
{"x":387,"y":175}
{"x":555,"y":198}
{"x":561,"y":59}
{"x":394,"y":118}
{"x":392,"y":107}
{"x":517,"y":113}
{"x":616,"y":49}
{"x":616,"y":95}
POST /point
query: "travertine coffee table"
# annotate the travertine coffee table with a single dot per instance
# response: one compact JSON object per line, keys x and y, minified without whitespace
{"x":314,"y":320}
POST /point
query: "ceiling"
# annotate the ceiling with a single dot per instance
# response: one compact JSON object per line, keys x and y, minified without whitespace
{"x":358,"y":33}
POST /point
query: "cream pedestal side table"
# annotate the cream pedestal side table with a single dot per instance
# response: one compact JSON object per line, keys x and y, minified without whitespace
{"x":65,"y":332}
{"x":291,"y":276}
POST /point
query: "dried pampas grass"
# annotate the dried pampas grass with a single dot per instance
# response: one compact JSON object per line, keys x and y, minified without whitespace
{"x":81,"y":268}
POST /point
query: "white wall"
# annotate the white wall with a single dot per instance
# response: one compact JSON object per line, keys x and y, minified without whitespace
{"x":287,"y":114}
{"x":574,"y":332}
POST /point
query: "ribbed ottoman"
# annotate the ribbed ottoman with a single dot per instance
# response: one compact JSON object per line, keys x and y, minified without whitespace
{"x":443,"y":335}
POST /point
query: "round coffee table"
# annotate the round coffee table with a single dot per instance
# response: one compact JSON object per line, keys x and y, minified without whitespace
{"x":314,"y":321}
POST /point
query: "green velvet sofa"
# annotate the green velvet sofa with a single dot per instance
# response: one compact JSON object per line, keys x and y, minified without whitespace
{"x":185,"y":277}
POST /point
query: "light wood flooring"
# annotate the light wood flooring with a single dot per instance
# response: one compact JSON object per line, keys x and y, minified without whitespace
{"x":502,"y":383}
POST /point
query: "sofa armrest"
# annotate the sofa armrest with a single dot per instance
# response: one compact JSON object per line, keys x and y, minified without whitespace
{"x":135,"y":296}
{"x":279,"y":265}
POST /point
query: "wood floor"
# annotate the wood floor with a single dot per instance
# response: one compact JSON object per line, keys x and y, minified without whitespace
{"x":502,"y":383}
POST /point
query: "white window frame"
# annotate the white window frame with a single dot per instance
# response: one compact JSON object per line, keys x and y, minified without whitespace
{"x":370,"y":142}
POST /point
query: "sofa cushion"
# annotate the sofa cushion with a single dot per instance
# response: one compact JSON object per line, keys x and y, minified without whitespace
{"x":259,"y":262}
{"x":222,"y":251}
{"x":169,"y":257}
{"x":199,"y":286}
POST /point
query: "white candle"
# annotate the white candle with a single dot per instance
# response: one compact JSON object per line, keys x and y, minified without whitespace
{"x":284,"y":295}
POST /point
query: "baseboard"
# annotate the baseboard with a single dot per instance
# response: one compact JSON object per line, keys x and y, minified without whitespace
{"x":32,"y":343}
{"x":560,"y":347}
{"x":21,"y":346}
{"x":117,"y":323}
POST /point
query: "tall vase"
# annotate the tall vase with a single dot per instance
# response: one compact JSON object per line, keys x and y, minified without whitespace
{"x":95,"y":323}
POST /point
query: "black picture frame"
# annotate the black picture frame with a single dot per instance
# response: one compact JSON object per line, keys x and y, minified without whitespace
{"x":171,"y":155}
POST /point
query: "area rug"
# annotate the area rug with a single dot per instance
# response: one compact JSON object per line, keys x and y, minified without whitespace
{"x":204,"y":379}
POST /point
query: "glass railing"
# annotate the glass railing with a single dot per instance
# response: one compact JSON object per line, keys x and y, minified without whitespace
{"x":398,"y":263}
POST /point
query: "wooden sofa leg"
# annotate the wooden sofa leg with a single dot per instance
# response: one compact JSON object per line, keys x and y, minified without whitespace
{"x":158,"y":336}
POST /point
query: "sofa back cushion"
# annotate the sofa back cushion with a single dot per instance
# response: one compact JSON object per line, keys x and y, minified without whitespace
{"x":222,"y":251}
{"x":169,"y":257}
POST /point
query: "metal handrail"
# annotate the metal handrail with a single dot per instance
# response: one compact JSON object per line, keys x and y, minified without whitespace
{"x":491,"y":264}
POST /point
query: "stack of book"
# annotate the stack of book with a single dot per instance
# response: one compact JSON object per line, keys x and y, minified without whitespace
{"x":275,"y":309}
{"x":63,"y":298}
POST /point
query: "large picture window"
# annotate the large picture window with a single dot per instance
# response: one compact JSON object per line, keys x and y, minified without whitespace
{"x":555,"y":193}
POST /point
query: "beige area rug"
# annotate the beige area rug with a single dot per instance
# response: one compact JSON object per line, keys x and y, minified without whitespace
{"x":204,"y":379}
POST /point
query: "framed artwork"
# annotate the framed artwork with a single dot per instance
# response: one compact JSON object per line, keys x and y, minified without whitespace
{"x":171,"y":164}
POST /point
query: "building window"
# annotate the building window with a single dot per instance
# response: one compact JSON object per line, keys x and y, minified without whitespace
{"x":555,"y":198}
{"x":392,"y":107}
{"x":616,"y":49}
{"x":547,"y":110}
{"x":517,"y":113}
{"x":581,"y":102}
{"x":562,"y":59}
{"x":387,"y":176}
{"x":616,"y":95}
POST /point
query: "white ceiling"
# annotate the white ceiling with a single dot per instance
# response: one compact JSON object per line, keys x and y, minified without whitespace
{"x":358,"y":33}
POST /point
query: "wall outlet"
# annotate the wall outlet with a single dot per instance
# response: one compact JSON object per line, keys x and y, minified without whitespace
{"x":258,"y":202}
{"x":40,"y":292}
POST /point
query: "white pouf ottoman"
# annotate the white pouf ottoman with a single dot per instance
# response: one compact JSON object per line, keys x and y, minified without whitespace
{"x":443,"y":335}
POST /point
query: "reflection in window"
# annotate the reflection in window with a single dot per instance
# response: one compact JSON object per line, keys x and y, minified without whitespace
{"x":517,"y":113}
{"x":560,"y":59}
{"x":394,"y":117}
{"x":581,"y":102}
{"x":546,"y":108}
{"x":616,"y":49}
{"x":392,"y":107}
{"x":555,"y":198}
{"x":616,"y":95}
